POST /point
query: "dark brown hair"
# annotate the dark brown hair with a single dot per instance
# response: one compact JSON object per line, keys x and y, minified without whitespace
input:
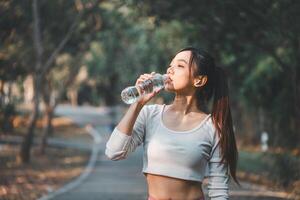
{"x":217,"y":87}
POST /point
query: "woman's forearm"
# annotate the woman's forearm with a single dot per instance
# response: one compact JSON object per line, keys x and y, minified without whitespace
{"x":127,"y":122}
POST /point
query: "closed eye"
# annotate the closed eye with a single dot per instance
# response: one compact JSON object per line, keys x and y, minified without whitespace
{"x":177,"y":66}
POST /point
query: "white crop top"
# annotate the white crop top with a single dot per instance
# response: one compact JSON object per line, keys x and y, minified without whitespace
{"x":189,"y":155}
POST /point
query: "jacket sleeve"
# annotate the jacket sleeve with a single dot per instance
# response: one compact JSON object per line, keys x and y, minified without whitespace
{"x":218,"y":176}
{"x":120,"y":145}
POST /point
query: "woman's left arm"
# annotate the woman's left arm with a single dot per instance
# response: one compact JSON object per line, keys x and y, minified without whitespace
{"x":218,"y":174}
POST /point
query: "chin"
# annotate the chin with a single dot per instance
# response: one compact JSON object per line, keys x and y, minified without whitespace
{"x":169,"y":89}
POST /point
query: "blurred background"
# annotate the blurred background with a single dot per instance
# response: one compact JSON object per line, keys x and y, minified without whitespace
{"x":60,"y":56}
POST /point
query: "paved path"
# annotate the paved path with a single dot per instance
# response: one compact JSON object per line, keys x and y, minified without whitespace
{"x":123,"y":180}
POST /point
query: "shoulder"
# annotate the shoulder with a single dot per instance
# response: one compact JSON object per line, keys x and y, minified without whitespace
{"x":211,"y":130}
{"x":151,"y":110}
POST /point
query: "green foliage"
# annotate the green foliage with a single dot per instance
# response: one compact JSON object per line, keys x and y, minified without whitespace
{"x":15,"y":39}
{"x":280,"y":167}
{"x":286,"y":168}
{"x":256,"y":42}
{"x":253,"y":162}
{"x":139,"y":49}
{"x":263,"y":80}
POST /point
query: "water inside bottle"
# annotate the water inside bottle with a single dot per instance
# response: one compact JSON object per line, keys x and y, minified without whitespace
{"x":130,"y":95}
{"x":158,"y":82}
{"x":147,"y":86}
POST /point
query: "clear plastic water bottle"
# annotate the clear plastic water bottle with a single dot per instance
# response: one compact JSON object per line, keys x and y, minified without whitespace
{"x":132,"y":93}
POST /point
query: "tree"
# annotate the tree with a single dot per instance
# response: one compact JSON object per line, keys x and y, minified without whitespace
{"x":60,"y":78}
{"x":13,"y":47}
{"x":258,"y":46}
{"x":128,"y":46}
{"x":44,"y":57}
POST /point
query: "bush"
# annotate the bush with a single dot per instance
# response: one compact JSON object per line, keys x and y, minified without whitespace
{"x":282,"y":168}
{"x":7,"y":113}
{"x":286,"y":169}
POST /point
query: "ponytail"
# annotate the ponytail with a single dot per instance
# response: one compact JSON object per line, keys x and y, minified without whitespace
{"x":217,"y":87}
{"x":222,"y":119}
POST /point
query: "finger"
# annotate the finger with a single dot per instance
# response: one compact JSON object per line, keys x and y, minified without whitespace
{"x":147,"y":76}
{"x":157,"y":91}
{"x":152,"y":94}
{"x":151,"y":74}
{"x":143,"y":76}
{"x":142,"y":79}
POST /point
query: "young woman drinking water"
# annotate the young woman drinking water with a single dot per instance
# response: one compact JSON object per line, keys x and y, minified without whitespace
{"x":183,"y":142}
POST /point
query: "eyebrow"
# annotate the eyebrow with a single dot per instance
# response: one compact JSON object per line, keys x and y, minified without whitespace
{"x":182,"y":60}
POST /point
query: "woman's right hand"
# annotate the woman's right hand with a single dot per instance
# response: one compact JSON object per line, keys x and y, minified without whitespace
{"x":144,"y":98}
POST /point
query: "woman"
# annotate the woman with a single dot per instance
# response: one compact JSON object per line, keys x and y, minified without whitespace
{"x":183,"y":143}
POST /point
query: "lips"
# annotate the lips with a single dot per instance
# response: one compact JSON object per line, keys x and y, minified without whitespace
{"x":168,"y":80}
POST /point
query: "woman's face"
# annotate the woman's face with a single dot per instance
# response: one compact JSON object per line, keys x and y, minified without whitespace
{"x":180,"y":74}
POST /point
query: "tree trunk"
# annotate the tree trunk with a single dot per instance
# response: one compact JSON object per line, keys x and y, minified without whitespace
{"x":2,"y":92}
{"x":48,"y":129}
{"x":48,"y":115}
{"x":298,"y":104}
{"x":28,"y":138}
{"x":73,"y":95}
{"x":296,"y":121}
{"x":37,"y":81}
{"x":9,"y":92}
{"x":6,"y":109}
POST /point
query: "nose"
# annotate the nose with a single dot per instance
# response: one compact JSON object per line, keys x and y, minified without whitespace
{"x":170,"y":70}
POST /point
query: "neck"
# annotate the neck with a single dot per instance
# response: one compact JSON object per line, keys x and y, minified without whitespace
{"x":184,"y":104}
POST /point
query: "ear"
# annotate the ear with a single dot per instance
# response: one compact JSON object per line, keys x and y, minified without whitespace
{"x":200,"y":81}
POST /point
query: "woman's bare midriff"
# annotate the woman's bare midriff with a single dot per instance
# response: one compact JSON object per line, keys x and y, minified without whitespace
{"x":168,"y":188}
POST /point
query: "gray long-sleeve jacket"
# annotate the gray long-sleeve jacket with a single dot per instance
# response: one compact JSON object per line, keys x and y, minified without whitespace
{"x":190,"y":155}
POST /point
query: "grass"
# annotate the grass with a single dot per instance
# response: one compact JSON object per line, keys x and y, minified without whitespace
{"x":271,"y":168}
{"x":254,"y":162}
